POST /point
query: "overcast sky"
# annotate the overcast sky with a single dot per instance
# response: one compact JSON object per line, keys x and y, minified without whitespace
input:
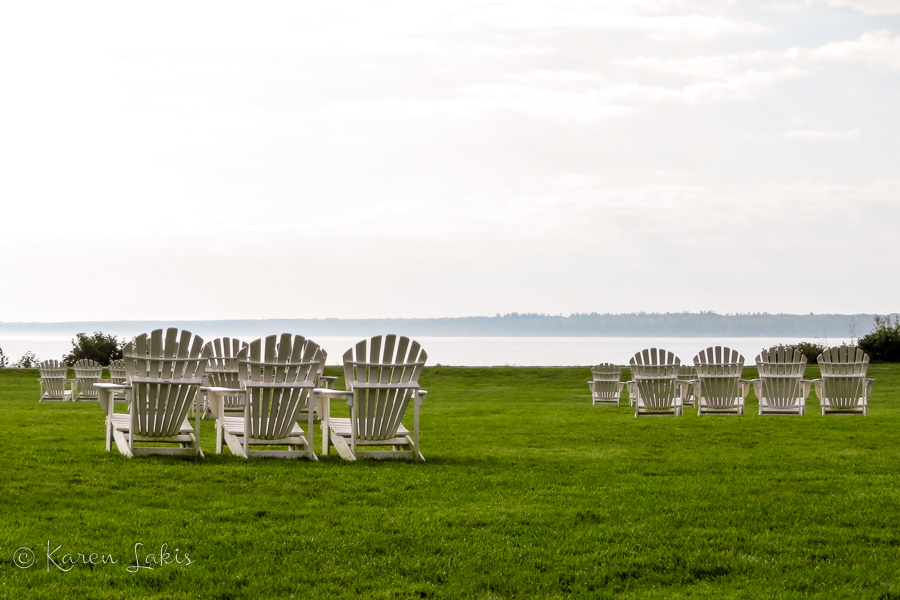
{"x":207,"y":160}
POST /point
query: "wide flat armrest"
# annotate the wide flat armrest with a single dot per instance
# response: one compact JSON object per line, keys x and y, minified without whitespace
{"x":332,"y":393}
{"x":807,"y":386}
{"x":386,"y":386}
{"x":219,"y":390}
{"x":296,"y":385}
{"x":111,"y":386}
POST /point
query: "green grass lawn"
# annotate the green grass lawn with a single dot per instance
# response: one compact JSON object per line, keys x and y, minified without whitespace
{"x":528,"y":492}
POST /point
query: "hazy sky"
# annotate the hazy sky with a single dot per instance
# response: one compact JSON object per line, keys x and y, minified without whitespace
{"x":206,"y":160}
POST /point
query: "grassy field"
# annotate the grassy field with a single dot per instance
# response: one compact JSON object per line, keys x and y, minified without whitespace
{"x":528,"y":492}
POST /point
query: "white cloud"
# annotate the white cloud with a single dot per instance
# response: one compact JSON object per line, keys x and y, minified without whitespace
{"x":849,"y":134}
{"x":701,"y":67}
{"x":636,"y":17}
{"x":786,"y":6}
{"x":483,"y":100}
{"x":810,"y":135}
{"x":555,"y":100}
{"x":579,"y":180}
{"x":869,"y":7}
{"x":568,"y":78}
{"x":743,"y":86}
{"x":875,"y":48}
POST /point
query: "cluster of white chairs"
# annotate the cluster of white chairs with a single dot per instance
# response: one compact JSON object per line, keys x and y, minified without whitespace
{"x":258,"y":392}
{"x":57,"y":387}
{"x":661,"y":385}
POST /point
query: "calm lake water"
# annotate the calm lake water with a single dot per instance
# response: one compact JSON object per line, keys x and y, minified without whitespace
{"x":488,"y":351}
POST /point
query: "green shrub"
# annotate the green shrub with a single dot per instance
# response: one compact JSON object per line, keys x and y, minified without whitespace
{"x":883,"y":343}
{"x":28,"y":361}
{"x":810,"y":350}
{"x":100,"y":347}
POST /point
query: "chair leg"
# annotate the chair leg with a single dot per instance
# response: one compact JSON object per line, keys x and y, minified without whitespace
{"x":343,"y":448}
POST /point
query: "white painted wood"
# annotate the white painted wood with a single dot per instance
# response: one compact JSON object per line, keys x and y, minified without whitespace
{"x":117,"y":376}
{"x":53,"y":381}
{"x":688,"y":375}
{"x":87,"y":373}
{"x":222,"y":372}
{"x":107,"y":393}
{"x":277,"y":375}
{"x":216,"y":402}
{"x":383,"y":375}
{"x":843,"y":388}
{"x":633,"y":392}
{"x":163,"y":371}
{"x":655,"y":375}
{"x":781,"y":388}
{"x":718,"y":386}
{"x":605,"y":384}
{"x":117,"y":371}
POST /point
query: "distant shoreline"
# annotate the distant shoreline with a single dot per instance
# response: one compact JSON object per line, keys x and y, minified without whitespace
{"x":705,"y":324}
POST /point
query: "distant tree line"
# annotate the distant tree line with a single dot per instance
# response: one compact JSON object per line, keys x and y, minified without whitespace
{"x":100,"y":347}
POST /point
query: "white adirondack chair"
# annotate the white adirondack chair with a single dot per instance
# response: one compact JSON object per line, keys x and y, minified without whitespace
{"x":164,"y":371}
{"x":87,"y":373}
{"x":633,"y":393}
{"x":843,"y":388}
{"x":719,"y":388}
{"x":277,"y":376}
{"x":382,"y":376}
{"x":117,"y":371}
{"x":658,"y":390}
{"x":781,"y":388}
{"x":605,"y":384}
{"x":117,"y":376}
{"x":222,"y":372}
{"x":53,"y":381}
{"x":688,"y":375}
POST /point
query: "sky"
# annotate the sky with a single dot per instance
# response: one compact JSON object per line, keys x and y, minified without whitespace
{"x":348,"y":159}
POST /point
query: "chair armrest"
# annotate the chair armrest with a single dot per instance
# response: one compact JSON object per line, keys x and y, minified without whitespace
{"x":685,"y":390}
{"x":806,"y":385}
{"x":105,"y":393}
{"x":330,"y":393}
{"x":867,"y":387}
{"x":819,"y":385}
{"x":109,"y":385}
{"x":217,"y":408}
{"x":386,"y":386}
{"x":326,"y":394}
{"x":297,"y":385}
{"x":327,"y":381}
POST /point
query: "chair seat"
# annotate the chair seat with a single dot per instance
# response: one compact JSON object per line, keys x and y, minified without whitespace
{"x":860,"y":407}
{"x":735,"y":409}
{"x":797,"y":409}
{"x":342,"y":427}
{"x":235,"y":426}
{"x":122,"y":422}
